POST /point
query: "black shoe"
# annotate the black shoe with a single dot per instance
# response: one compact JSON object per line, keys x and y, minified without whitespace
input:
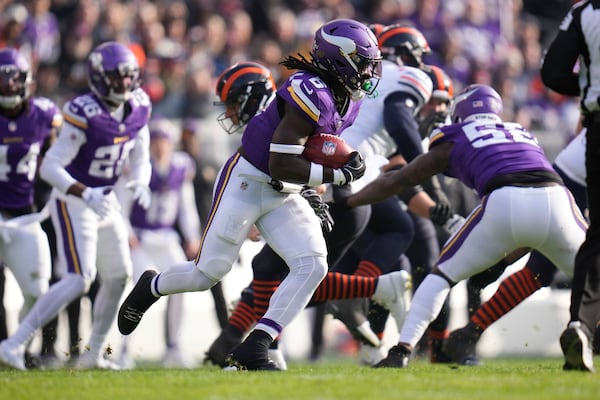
{"x":252,"y":354}
{"x":436,"y":352}
{"x":219,"y":350}
{"x":137,"y":302}
{"x":397,"y":357}
{"x":576,"y":348}
{"x":460,"y":346}
{"x":596,"y":341}
{"x":32,"y":361}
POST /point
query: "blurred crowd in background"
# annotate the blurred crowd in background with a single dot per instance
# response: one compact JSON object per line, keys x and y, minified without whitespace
{"x":184,"y":45}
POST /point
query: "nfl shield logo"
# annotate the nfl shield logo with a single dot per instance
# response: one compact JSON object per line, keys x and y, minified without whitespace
{"x":328,"y":148}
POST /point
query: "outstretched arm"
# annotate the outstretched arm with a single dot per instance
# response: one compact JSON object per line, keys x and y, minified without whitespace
{"x":394,"y":182}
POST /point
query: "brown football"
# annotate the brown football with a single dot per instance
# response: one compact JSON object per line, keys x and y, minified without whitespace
{"x":328,"y":150}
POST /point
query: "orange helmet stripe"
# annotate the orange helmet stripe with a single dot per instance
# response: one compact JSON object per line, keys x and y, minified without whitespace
{"x":240,"y":72}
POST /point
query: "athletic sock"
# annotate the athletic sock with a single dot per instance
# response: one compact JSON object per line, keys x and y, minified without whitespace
{"x":512,"y":291}
{"x":243,"y":316}
{"x":263,"y":290}
{"x":337,"y":286}
{"x":367,"y":268}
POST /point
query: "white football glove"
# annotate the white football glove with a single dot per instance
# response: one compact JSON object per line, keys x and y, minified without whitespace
{"x":140,"y":193}
{"x":97,"y":198}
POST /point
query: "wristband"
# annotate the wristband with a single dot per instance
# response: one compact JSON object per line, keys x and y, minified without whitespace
{"x":286,"y":148}
{"x":315,"y":177}
{"x":338,"y":177}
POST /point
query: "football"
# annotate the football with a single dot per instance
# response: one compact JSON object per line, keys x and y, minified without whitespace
{"x":328,"y":150}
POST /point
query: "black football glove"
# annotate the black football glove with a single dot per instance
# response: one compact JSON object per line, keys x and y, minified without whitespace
{"x":431,"y":122}
{"x":320,"y":208}
{"x":440,"y":213}
{"x":354,"y":168}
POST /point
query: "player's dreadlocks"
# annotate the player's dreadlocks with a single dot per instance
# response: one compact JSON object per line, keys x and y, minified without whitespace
{"x":302,"y":63}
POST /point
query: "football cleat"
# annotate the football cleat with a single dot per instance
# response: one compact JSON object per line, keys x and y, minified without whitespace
{"x":175,"y":359}
{"x":276,"y":355}
{"x":576,"y":348}
{"x":12,"y":357}
{"x":393,"y":292}
{"x":219,"y":350}
{"x":370,"y":355}
{"x":89,"y":360}
{"x":397,"y":357}
{"x":250,"y":355}
{"x":137,"y":302}
{"x":353,"y":314}
{"x":460,"y":346}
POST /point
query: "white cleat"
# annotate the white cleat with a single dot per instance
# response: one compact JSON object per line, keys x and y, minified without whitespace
{"x":12,"y":357}
{"x":366,"y":332}
{"x":394,"y":292}
{"x":174,"y":359}
{"x":370,"y":355}
{"x":90,"y":361}
{"x":276,"y":355}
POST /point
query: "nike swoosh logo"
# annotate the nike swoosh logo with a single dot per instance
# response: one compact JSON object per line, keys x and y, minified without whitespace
{"x":308,"y":90}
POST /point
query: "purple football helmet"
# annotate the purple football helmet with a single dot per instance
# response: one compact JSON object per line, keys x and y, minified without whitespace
{"x":476,"y":102}
{"x":348,"y":49}
{"x":15,"y":79}
{"x":113,"y":73}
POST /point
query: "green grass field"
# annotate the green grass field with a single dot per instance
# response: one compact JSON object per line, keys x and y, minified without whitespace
{"x":496,"y":379}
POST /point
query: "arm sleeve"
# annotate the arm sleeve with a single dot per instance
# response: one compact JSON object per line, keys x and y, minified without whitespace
{"x":560,"y":59}
{"x":60,"y":154}
{"x":139,"y":158}
{"x":399,"y":121}
{"x":188,"y":219}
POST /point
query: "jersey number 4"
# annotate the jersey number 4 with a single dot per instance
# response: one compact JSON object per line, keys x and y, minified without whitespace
{"x":26,"y":165}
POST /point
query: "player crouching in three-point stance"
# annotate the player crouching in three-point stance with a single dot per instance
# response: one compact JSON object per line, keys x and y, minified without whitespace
{"x":321,"y":97}
{"x":524,"y":204}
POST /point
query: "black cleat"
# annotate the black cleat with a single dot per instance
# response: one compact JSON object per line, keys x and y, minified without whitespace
{"x":219,"y":350}
{"x":233,"y":364}
{"x":252,"y":354}
{"x":397,"y":357}
{"x":137,"y":302}
{"x":576,"y":348}
{"x":460,"y":346}
{"x":436,"y":354}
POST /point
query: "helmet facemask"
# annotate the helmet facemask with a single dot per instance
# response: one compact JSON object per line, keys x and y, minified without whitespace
{"x":15,"y":86}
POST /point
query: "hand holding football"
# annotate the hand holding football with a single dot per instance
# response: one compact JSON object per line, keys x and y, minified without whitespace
{"x":328,"y":150}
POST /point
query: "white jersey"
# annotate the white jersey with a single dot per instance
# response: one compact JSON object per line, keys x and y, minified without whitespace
{"x":571,"y":159}
{"x":367,"y":134}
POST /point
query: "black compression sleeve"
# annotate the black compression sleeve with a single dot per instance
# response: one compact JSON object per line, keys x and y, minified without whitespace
{"x":399,"y":121}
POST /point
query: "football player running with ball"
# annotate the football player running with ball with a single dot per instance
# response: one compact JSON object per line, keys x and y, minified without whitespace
{"x":103,"y":129}
{"x":524,"y":203}
{"x":322,"y":97}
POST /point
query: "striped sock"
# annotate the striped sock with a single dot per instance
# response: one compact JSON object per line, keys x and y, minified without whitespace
{"x":367,"y":268}
{"x":243,"y":316}
{"x":263,"y":290}
{"x":512,"y":291}
{"x":338,"y":286}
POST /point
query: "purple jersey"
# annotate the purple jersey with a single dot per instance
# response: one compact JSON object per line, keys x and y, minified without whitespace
{"x":166,"y":193}
{"x":484,"y":150}
{"x":21,"y":140}
{"x":312,"y":98}
{"x":99,"y":161}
